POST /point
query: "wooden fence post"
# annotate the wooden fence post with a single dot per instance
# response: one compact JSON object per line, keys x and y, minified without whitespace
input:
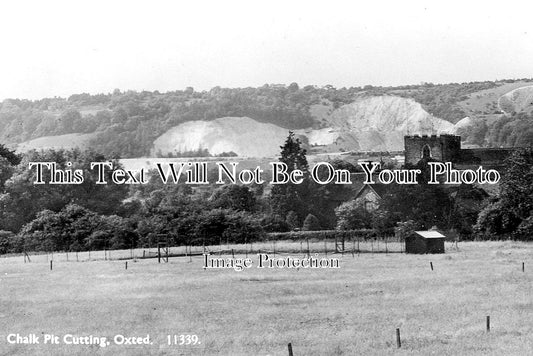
{"x":398,"y":340}
{"x":290,"y":349}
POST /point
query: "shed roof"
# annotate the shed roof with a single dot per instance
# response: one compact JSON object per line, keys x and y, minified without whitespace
{"x":430,"y":234}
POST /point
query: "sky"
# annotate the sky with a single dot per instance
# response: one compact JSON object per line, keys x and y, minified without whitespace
{"x":58,"y":48}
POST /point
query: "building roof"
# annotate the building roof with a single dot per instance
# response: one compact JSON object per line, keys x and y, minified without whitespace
{"x":357,"y":181}
{"x":430,"y":234}
{"x":379,"y":189}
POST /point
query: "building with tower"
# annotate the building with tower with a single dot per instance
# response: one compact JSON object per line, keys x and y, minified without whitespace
{"x":447,"y":148}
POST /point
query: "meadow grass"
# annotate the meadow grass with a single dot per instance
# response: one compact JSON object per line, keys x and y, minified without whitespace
{"x":353,"y":310}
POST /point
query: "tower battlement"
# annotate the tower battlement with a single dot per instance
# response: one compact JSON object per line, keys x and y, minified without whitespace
{"x":416,"y":136}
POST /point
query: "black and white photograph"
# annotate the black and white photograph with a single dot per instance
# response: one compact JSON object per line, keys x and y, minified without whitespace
{"x":298,"y":178}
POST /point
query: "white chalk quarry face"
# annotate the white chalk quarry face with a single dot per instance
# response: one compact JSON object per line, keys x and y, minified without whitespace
{"x":380,"y":122}
{"x":386,"y":113}
{"x":242,"y":135}
{"x":373,"y":123}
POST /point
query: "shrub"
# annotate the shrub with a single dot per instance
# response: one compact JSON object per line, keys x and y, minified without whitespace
{"x":351,"y":215}
{"x":274,"y":223}
{"x":311,"y":223}
{"x":404,"y":229}
{"x":292,"y":220}
{"x":7,"y":242}
{"x":525,"y":230}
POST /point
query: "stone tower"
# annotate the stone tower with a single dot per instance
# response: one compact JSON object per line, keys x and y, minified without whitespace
{"x":444,"y":148}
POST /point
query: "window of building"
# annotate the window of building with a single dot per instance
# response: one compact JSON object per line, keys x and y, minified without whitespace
{"x":426,"y":152}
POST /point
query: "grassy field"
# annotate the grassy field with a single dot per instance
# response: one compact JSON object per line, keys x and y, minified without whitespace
{"x":347,"y":311}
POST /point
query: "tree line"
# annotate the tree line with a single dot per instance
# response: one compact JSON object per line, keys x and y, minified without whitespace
{"x":89,"y":216}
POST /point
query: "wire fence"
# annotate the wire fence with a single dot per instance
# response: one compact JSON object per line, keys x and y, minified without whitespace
{"x":355,"y":245}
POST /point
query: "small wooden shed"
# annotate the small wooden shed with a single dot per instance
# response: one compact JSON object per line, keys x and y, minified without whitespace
{"x":430,"y":241}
